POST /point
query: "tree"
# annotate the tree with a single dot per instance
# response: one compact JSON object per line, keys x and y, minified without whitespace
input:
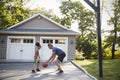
{"x":11,"y":12}
{"x":115,"y":22}
{"x":75,"y":11}
{"x":50,"y":14}
{"x":14,"y":11}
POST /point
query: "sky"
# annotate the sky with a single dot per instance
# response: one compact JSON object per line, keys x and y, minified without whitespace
{"x":54,"y":5}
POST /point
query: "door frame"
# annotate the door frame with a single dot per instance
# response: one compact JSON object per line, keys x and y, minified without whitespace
{"x":66,"y":43}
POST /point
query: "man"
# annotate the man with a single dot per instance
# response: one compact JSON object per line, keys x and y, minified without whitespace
{"x":61,"y":55}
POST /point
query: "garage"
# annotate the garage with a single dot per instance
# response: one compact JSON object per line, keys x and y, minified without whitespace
{"x":17,"y":42}
{"x":23,"y":48}
{"x":20,"y":48}
{"x":60,"y":42}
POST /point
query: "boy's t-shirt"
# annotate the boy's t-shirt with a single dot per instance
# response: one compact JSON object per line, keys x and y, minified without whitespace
{"x":57,"y":51}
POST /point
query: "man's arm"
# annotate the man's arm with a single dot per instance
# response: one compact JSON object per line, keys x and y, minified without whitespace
{"x":51,"y":58}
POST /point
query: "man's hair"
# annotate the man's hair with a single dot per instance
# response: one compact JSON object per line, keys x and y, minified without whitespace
{"x":38,"y":44}
{"x":50,"y":44}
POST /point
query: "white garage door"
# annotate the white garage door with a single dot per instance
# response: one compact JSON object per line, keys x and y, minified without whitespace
{"x":20,"y":48}
{"x":60,"y":42}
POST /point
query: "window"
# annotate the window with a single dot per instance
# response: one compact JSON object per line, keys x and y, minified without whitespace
{"x":47,"y":41}
{"x":60,"y":41}
{"x":15,"y":40}
{"x":27,"y":40}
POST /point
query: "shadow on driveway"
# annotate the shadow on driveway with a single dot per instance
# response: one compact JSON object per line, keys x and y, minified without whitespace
{"x":22,"y":71}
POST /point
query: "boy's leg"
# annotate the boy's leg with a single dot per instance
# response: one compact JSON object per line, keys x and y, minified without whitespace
{"x":33,"y":70}
{"x":34,"y":65}
{"x":37,"y":66}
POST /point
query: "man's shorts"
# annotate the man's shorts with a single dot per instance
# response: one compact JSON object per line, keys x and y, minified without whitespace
{"x":61,"y":57}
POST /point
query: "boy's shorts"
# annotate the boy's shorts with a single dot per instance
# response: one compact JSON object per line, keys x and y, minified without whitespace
{"x":36,"y":61}
{"x":61,"y":57}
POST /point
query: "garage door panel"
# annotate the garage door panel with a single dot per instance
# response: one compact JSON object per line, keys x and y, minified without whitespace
{"x":56,"y":41}
{"x":45,"y":53}
{"x":21,"y":48}
{"x":16,"y":54}
{"x":27,"y":52}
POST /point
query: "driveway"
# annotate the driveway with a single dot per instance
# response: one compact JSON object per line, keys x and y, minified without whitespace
{"x":22,"y":71}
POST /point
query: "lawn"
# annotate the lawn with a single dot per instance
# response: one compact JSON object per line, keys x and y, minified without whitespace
{"x":111,"y":68}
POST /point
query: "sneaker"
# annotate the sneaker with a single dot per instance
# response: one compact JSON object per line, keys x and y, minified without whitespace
{"x":37,"y":69}
{"x":61,"y":71}
{"x":33,"y":71}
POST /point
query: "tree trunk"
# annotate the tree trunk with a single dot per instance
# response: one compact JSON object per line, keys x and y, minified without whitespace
{"x":115,"y":38}
{"x":113,"y":50}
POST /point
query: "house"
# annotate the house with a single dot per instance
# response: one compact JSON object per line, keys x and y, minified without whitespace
{"x":17,"y":43}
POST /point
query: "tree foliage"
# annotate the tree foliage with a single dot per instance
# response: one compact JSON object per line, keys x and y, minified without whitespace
{"x":50,"y":14}
{"x":11,"y":12}
{"x":114,"y":21}
{"x":14,"y":11}
{"x":75,"y":11}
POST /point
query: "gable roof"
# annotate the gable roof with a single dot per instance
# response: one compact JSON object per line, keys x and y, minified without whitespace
{"x":62,"y":31}
{"x":37,"y":15}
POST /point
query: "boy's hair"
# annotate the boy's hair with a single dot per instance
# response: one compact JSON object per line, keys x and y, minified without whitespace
{"x":38,"y":44}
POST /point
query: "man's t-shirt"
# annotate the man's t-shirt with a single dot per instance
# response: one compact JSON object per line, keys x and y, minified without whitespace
{"x":57,"y":51}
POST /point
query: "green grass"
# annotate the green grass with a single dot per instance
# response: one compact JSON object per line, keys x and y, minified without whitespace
{"x":111,"y":68}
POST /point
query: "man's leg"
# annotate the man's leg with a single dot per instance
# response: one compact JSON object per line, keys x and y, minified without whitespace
{"x":58,"y":64}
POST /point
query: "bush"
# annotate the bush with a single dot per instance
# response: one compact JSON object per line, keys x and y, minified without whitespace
{"x":117,"y":55}
{"x":78,"y":56}
{"x":108,"y":54}
{"x":94,"y":55}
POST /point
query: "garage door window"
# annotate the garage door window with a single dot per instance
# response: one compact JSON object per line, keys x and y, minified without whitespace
{"x":47,"y":41}
{"x":60,"y":41}
{"x":27,"y":40}
{"x":15,"y":40}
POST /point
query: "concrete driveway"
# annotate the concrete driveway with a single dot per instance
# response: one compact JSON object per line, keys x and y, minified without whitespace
{"x":22,"y":71}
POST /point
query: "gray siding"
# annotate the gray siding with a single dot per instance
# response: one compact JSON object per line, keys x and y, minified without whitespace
{"x":71,"y":48}
{"x":3,"y":46}
{"x":37,"y":23}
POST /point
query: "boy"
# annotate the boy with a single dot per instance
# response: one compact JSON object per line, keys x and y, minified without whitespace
{"x":36,"y":58}
{"x":61,"y":55}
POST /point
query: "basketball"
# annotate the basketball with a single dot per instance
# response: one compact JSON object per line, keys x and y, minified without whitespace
{"x":45,"y":65}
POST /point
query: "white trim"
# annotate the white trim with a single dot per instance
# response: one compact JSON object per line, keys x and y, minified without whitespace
{"x":8,"y":43}
{"x":47,"y":37}
{"x":22,"y":37}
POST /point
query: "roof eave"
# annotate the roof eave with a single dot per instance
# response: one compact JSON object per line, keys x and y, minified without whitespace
{"x":41,"y":33}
